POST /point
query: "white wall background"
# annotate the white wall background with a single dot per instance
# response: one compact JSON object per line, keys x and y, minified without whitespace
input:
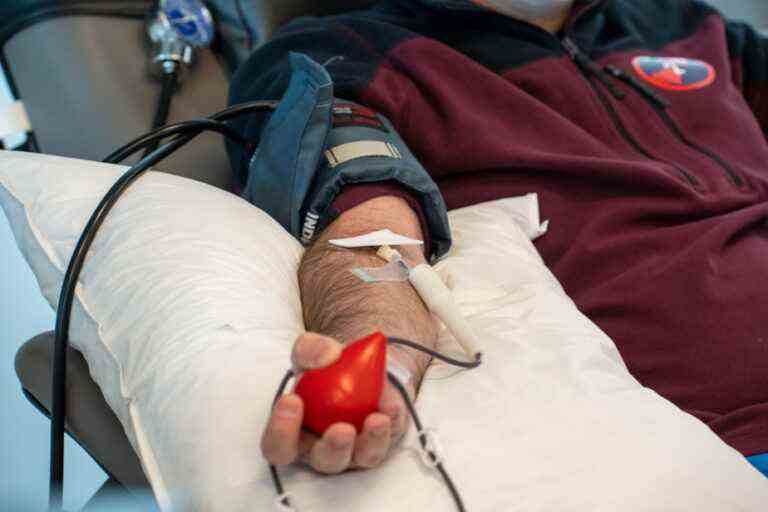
{"x":23,"y":313}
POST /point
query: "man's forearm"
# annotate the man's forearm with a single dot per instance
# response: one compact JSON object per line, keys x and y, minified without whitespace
{"x":339,"y":304}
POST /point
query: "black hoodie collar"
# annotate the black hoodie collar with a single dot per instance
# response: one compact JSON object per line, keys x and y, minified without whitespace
{"x":581,"y":26}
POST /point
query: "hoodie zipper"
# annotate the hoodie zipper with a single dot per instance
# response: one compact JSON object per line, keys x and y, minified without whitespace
{"x":660,"y":106}
{"x":591,"y":71}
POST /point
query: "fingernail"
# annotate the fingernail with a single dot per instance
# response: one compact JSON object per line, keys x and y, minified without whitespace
{"x":319,"y":354}
{"x":393,"y":413}
{"x":340,"y":442}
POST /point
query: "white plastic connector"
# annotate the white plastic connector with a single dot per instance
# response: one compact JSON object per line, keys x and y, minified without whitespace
{"x":389,"y":254}
{"x":438,"y":299}
{"x":282,"y":507}
{"x":432,"y":451}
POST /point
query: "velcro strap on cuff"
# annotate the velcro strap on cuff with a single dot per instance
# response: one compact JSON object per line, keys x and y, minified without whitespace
{"x":352,"y":150}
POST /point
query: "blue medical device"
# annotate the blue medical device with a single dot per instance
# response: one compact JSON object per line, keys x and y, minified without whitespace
{"x":190,"y":19}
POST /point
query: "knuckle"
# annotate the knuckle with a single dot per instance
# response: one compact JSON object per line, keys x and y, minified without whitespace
{"x":329,"y":468}
{"x":278,"y":432}
{"x":287,"y":409}
{"x":281,"y":460}
{"x":396,"y":419}
{"x":309,"y":352}
{"x":371,"y":460}
{"x":300,"y":350}
{"x":275,"y":455}
{"x":275,"y":449}
{"x":329,"y":459}
{"x":392,"y":406}
{"x":267,"y":445}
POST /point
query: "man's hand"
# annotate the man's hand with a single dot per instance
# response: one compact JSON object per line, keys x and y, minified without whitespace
{"x":341,"y":447}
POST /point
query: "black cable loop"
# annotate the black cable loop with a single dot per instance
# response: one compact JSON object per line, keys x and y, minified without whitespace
{"x":455,"y":362}
{"x":423,"y":441}
{"x":225,"y":115}
{"x":411,"y":409}
{"x":186,"y":127}
{"x":272,"y":468}
{"x":64,"y":310}
{"x":169,"y":83}
{"x":74,"y":267}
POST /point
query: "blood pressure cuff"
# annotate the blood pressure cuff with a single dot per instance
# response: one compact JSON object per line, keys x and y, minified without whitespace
{"x":315,"y":145}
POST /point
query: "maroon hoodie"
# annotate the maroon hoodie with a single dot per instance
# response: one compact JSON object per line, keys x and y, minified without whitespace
{"x":640,"y":126}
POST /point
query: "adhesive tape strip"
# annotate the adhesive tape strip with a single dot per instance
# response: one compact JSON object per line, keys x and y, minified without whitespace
{"x":399,"y":371}
{"x":391,"y":272}
{"x":375,"y":239}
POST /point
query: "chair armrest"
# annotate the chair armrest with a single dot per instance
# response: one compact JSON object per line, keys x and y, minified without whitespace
{"x":90,"y":421}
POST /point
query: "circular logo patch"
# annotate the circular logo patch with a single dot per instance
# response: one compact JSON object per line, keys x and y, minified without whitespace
{"x":674,"y":74}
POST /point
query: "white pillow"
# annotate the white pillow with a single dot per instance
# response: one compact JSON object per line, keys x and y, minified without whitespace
{"x":188,"y":306}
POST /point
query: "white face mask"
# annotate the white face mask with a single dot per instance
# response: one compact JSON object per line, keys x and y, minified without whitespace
{"x":527,"y":10}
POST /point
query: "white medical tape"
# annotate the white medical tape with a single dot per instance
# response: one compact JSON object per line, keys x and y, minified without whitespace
{"x":14,"y":119}
{"x":432,"y":451}
{"x":282,"y":507}
{"x":375,"y":239}
{"x":400,"y":372}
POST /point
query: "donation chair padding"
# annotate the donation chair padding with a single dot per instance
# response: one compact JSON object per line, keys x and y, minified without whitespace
{"x":90,"y":421}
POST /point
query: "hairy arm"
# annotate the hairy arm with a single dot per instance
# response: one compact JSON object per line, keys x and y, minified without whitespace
{"x":338,"y":304}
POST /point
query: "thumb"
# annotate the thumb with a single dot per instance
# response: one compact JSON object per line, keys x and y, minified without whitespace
{"x":313,"y":350}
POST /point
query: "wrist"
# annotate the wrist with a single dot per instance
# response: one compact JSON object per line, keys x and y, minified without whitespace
{"x":412,"y":361}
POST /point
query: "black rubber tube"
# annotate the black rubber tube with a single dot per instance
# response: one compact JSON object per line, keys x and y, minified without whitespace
{"x":66,"y":295}
{"x":186,"y":127}
{"x":167,"y":89}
